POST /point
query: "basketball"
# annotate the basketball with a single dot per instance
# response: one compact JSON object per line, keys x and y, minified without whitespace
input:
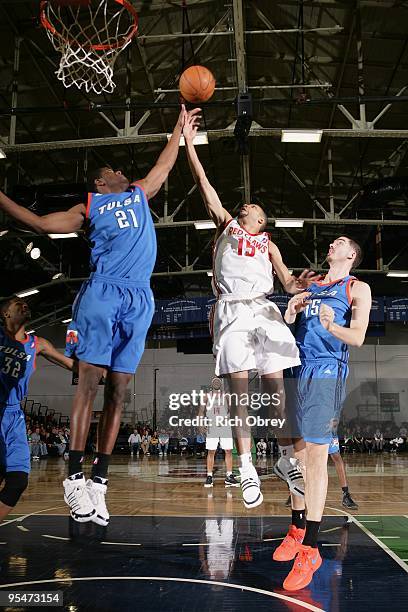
{"x":197,"y":84}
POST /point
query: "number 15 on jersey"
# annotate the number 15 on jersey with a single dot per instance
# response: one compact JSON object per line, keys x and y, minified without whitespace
{"x":312,"y":309}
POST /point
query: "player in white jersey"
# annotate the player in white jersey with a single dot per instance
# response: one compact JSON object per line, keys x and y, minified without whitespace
{"x":219,"y":431}
{"x":248,"y":329}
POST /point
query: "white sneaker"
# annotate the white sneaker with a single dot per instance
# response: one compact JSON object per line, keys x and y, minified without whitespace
{"x":250,"y":487}
{"x":77,"y":498}
{"x":289,"y":471}
{"x":97,"y":494}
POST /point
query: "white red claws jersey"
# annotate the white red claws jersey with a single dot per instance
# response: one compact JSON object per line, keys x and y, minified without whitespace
{"x":241,"y":264}
{"x":217,"y":405}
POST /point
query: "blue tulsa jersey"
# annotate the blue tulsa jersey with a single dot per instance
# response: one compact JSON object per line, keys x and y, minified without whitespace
{"x":122,"y":235}
{"x":313,"y":340}
{"x":17,"y":364}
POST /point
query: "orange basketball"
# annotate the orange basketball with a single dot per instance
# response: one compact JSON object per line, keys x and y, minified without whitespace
{"x":197,"y":84}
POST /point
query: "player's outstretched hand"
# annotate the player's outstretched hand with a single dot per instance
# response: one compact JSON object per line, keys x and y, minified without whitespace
{"x":182,"y":117}
{"x":307,"y":278}
{"x":298,"y":303}
{"x":326,"y":316}
{"x":191,"y":124}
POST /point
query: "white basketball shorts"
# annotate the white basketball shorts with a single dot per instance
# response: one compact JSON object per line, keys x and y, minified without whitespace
{"x":250,"y":334}
{"x":222,"y":435}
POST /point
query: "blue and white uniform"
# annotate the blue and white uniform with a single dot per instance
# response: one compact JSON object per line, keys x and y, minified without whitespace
{"x":17,"y":364}
{"x":114,"y":308}
{"x":321,"y":379}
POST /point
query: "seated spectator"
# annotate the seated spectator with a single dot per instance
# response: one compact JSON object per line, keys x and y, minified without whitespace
{"x":145,"y":443}
{"x":35,"y":444}
{"x":358,"y":442}
{"x":134,"y":441}
{"x":395,"y":444}
{"x":378,"y":442}
{"x":261,"y":448}
{"x":164,"y":439}
{"x":154,"y":444}
{"x":200,"y":445}
{"x":183,"y":444}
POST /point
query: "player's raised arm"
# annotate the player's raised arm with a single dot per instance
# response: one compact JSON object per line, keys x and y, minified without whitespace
{"x":55,"y":223}
{"x":360,"y":315}
{"x":212,"y":202}
{"x":48,"y":350}
{"x":160,"y":171}
{"x":291,"y":284}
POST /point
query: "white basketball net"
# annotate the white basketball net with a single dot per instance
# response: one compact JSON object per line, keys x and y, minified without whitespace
{"x":89,"y":38}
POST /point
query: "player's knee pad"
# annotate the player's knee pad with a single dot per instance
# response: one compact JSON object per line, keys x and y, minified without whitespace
{"x":15,"y":483}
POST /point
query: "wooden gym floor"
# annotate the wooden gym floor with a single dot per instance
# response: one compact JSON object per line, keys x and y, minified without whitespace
{"x":174,"y":545}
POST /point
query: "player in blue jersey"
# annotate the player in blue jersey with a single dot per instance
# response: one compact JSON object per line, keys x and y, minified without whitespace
{"x":332,"y":315}
{"x":112,"y":311}
{"x":18,"y":352}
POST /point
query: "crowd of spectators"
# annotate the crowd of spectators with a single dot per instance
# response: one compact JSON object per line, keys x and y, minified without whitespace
{"x":360,"y":437}
{"x":47,"y":440}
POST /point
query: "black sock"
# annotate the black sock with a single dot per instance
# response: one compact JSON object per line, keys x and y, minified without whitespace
{"x":100,"y":465}
{"x":345,"y":489}
{"x":299,"y":518}
{"x":312,"y":531}
{"x":76,"y":459}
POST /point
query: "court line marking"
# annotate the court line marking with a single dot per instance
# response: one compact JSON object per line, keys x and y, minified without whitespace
{"x":24,"y":516}
{"x":388,"y":537}
{"x":122,"y":543}
{"x":384,"y":547}
{"x":53,"y":537}
{"x":229,"y":585}
{"x":369,"y":521}
{"x":22,"y":528}
{"x":330,"y":544}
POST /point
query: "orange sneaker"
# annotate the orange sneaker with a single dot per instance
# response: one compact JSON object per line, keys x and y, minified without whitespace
{"x":290,"y":545}
{"x":307,"y":562}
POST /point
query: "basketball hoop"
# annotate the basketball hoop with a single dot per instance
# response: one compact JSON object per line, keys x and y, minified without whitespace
{"x":89,"y":34}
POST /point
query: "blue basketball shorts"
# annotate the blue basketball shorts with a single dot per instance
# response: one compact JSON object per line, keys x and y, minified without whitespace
{"x":110,"y":320}
{"x":14,"y":449}
{"x":315,"y":392}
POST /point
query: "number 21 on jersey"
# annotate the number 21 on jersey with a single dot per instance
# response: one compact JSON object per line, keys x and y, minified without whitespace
{"x":122,"y":217}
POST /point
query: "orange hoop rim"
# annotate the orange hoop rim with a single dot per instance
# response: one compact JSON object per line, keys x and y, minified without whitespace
{"x":129,"y":7}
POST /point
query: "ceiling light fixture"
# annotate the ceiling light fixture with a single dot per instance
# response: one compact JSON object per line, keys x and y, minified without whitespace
{"x":397,"y":274}
{"x":35,"y":253}
{"x":203,"y":225}
{"x":58,"y":236}
{"x":289,"y":222}
{"x":66,"y":320}
{"x":201,"y":138}
{"x":27,"y":292}
{"x":301,"y":135}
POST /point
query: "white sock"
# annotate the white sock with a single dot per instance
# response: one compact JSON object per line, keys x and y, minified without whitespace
{"x":246,"y":460}
{"x":209,"y":474}
{"x":287,"y":451}
{"x":229,"y":474}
